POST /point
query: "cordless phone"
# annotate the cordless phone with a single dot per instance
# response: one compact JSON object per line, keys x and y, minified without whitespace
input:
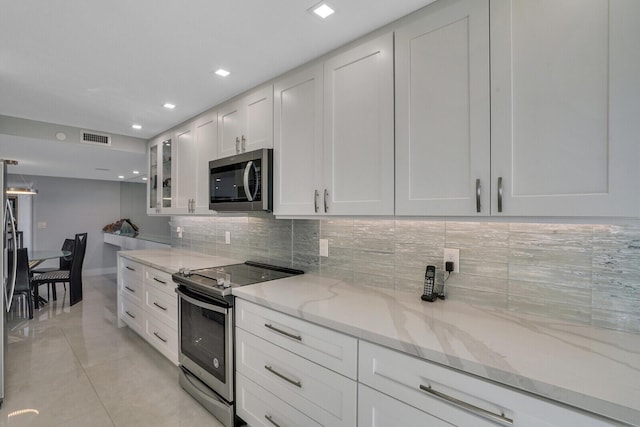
{"x":429,"y":293}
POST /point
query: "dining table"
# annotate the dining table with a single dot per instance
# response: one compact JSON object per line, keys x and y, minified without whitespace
{"x":38,"y":257}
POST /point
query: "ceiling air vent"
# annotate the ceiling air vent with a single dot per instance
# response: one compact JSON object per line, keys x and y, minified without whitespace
{"x":96,"y":138}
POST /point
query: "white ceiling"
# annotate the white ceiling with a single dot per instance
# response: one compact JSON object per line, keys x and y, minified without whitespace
{"x":104,"y":65}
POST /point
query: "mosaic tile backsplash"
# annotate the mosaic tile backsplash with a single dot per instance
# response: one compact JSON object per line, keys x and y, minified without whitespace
{"x":584,"y":273}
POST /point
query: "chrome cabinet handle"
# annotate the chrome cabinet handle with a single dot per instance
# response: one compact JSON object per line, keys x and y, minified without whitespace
{"x":133,"y":291}
{"x":244,"y":144}
{"x":237,"y":144}
{"x":159,"y":306}
{"x":500,"y":194}
{"x":270,"y":419}
{"x":478,"y":207}
{"x":278,"y":374}
{"x":315,"y":200}
{"x":280,"y":331}
{"x":501,"y":418}
{"x":130,"y":268}
{"x":159,"y":281}
{"x":159,"y":337}
{"x":326,"y":201}
{"x":130,"y":315}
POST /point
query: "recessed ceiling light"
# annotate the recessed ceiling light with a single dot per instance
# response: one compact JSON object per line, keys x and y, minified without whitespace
{"x":144,"y":178}
{"x":323,"y":10}
{"x":136,"y":172}
{"x":121,"y":176}
{"x":136,"y":127}
{"x":169,"y":106}
{"x":222,"y":73}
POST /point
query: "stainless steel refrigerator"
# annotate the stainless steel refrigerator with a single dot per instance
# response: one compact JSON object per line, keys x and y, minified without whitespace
{"x":7,"y":272}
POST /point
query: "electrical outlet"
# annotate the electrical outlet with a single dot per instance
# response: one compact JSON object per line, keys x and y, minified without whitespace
{"x":227,"y":237}
{"x":324,"y":247}
{"x":179,"y":231}
{"x":454,"y":256}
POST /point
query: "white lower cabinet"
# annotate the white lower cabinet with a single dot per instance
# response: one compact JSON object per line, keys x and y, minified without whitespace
{"x":261,"y":408}
{"x":379,"y":410}
{"x":293,"y":371}
{"x":131,"y":313}
{"x":162,"y":336}
{"x":458,"y":398}
{"x":148,"y":304}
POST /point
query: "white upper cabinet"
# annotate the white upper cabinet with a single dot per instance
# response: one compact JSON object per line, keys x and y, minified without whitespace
{"x":160,"y":189}
{"x":565,"y":95}
{"x":358,"y":130}
{"x":442,"y":111}
{"x":246,"y":124}
{"x":206,"y":143}
{"x":297,"y":129}
{"x":185,"y":168}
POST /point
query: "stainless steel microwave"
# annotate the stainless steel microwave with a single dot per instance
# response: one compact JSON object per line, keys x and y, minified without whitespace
{"x":242,"y":183}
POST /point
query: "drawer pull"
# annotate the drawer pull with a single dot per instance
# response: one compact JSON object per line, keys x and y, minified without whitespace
{"x":278,"y":374}
{"x":130,"y":268}
{"x":280,"y":331}
{"x":159,"y":281}
{"x":130,"y":315}
{"x":133,"y":291}
{"x":159,"y":306}
{"x":270,"y":419}
{"x":467,"y":406}
{"x":159,"y":337}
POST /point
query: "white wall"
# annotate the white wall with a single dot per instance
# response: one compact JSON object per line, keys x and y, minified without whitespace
{"x":69,"y":206}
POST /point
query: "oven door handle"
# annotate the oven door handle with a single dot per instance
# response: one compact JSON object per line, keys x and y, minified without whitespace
{"x":202,"y":304}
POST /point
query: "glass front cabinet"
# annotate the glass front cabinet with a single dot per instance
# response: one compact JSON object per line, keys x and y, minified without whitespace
{"x":161,"y":191}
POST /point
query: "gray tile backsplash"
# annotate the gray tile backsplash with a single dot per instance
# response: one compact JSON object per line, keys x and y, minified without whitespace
{"x":583,"y":273}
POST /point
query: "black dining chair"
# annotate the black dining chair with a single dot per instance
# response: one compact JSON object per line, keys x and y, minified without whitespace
{"x":22,"y":277}
{"x":73,"y":276}
{"x":64,"y":265}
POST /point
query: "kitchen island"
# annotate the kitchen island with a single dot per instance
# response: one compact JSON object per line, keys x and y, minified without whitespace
{"x":590,"y":368}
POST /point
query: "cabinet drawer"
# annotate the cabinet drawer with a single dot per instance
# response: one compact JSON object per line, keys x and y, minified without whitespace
{"x":379,"y":410}
{"x":131,"y":269}
{"x":258,"y":407}
{"x":159,"y":280}
{"x":162,"y":337}
{"x":323,"y":395}
{"x":131,"y":288}
{"x":417,"y":381}
{"x":164,"y":306}
{"x":328,"y":348}
{"x":131,"y":313}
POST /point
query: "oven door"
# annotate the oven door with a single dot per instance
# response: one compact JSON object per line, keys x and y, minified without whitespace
{"x":205,"y":330}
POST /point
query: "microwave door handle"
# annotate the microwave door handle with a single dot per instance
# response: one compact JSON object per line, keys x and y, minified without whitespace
{"x":247,"y":170}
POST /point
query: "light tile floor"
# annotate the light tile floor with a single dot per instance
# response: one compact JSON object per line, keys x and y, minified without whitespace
{"x":70,"y":366}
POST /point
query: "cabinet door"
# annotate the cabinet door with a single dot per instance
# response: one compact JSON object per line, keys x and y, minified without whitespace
{"x":185,"y":171}
{"x":358,"y":130}
{"x":258,"y":120}
{"x":442,"y":111}
{"x":206,"y":141}
{"x":297,"y":153}
{"x":160,"y":192}
{"x":229,"y":129}
{"x":565,"y":96}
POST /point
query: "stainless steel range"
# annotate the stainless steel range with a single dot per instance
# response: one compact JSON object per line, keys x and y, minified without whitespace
{"x":205,"y":328}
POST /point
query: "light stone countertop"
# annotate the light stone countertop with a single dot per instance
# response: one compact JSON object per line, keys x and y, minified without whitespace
{"x":591,"y":368}
{"x":171,"y":260}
